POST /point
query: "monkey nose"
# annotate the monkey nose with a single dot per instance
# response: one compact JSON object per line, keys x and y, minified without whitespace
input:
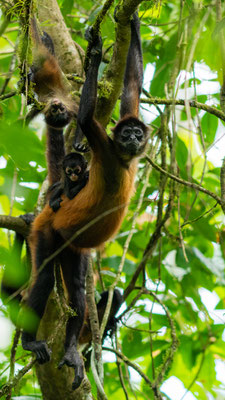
{"x":73,"y":177}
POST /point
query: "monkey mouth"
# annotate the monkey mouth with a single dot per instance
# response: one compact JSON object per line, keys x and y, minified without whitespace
{"x":73,"y":178}
{"x":132,"y":148}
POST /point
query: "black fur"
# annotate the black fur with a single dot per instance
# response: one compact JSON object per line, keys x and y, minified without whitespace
{"x":67,"y":186}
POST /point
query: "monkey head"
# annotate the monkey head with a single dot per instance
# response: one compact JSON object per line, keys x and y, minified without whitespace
{"x":74,"y":167}
{"x":130,"y":137}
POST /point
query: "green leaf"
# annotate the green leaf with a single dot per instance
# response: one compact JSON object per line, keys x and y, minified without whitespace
{"x":21,"y":144}
{"x":209,"y":124}
{"x":181,"y":154}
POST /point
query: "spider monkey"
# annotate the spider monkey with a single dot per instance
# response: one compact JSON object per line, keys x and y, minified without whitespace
{"x":75,"y":177}
{"x":97,"y":211}
{"x":47,"y":77}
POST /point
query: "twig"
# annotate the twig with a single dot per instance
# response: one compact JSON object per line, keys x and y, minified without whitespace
{"x":12,"y":359}
{"x":96,"y":355}
{"x":180,"y":102}
{"x":201,"y":216}
{"x":186,"y":183}
{"x":98,"y":262}
{"x":118,"y":363}
{"x":196,"y":376}
{"x":8,"y":95}
{"x":222,"y":184}
{"x":221,"y":42}
{"x":150,"y":246}
{"x":132,"y":304}
{"x":9,"y":74}
{"x":11,"y":384}
{"x":169,"y":358}
{"x":131,"y":364}
{"x":180,"y":231}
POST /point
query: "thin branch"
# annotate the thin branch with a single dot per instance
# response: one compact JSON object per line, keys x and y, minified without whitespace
{"x":150,"y":246}
{"x":186,"y":183}
{"x":8,"y":95}
{"x":169,"y":358}
{"x":11,"y":384}
{"x":12,"y":359}
{"x":120,"y":371}
{"x":131,"y":364}
{"x":180,"y":231}
{"x":96,"y":356}
{"x":180,"y":102}
{"x":222,"y":184}
{"x":196,"y":376}
{"x":201,"y":216}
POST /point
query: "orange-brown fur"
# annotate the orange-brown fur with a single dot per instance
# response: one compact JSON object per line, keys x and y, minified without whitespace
{"x":47,"y":77}
{"x":92,"y":201}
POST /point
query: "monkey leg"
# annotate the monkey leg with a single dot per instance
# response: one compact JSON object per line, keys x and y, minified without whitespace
{"x":35,"y":306}
{"x":74,"y":267}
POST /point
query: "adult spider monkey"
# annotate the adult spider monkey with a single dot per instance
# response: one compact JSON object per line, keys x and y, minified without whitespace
{"x":98,"y":209}
{"x":47,"y":77}
{"x":74,"y":178}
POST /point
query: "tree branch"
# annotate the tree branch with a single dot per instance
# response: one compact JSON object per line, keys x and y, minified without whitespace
{"x":131,"y":364}
{"x":15,"y":224}
{"x":183,"y":182}
{"x":192,"y":103}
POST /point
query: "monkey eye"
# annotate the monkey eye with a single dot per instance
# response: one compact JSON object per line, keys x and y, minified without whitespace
{"x":125,"y":133}
{"x":138,"y":133}
{"x":68,"y":170}
{"x":77,"y":170}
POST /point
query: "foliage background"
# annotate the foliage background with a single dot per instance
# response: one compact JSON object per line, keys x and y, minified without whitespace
{"x":183,"y":48}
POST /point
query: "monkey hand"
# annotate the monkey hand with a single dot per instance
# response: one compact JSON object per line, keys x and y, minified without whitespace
{"x":28,"y":218}
{"x":95,"y":41}
{"x":55,"y":204}
{"x":73,"y":359}
{"x":41,"y":350}
{"x":81,"y":148}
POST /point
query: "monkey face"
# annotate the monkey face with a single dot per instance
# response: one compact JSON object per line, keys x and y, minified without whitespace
{"x":130,"y":139}
{"x":74,"y":173}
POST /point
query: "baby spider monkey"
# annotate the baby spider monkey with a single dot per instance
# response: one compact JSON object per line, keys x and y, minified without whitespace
{"x":75,"y":177}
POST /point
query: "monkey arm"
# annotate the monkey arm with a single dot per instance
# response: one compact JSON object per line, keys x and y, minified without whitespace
{"x":77,"y":188}
{"x":55,"y":153}
{"x":133,"y":77}
{"x":55,"y":198}
{"x":90,"y":127}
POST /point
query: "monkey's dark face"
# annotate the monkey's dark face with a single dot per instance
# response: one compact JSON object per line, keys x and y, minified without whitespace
{"x":74,"y":173}
{"x":130,"y":139}
{"x":57,"y":114}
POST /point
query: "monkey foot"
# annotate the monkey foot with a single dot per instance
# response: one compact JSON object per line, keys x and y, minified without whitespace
{"x":56,"y":114}
{"x":73,"y":359}
{"x":41,"y":350}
